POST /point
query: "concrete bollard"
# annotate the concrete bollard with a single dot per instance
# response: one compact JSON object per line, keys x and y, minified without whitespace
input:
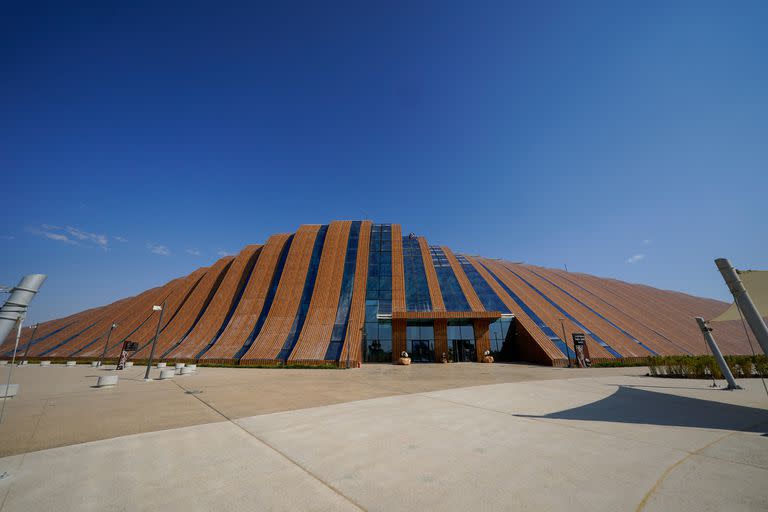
{"x":95,"y":364}
{"x":45,"y":363}
{"x":106,"y":380}
{"x":24,"y":362}
{"x":186,"y":370}
{"x":179,"y":365}
{"x":193,"y":366}
{"x":166,"y":374}
{"x":9,"y":391}
{"x":129,"y":364}
{"x":3,"y":363}
{"x":71,"y":363}
{"x":161,"y":365}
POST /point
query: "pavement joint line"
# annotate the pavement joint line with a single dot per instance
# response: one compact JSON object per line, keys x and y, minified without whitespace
{"x":24,"y":455}
{"x":273,"y":448}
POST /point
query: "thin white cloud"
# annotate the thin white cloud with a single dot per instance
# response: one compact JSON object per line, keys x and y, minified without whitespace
{"x":58,"y":237}
{"x":222,"y":252}
{"x":193,"y":252}
{"x":120,"y":239}
{"x":71,"y":235}
{"x":95,"y":238}
{"x":158,"y":249}
{"x":635,"y":258}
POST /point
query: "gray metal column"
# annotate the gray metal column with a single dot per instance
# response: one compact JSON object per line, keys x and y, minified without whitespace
{"x":747,"y":307}
{"x":707,"y":332}
{"x":16,"y":305}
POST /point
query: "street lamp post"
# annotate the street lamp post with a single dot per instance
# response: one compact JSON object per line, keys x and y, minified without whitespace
{"x":106,"y":343}
{"x":29,"y":344}
{"x":157,"y":335}
{"x":565,"y":340}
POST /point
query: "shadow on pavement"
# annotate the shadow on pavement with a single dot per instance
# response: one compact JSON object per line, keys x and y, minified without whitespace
{"x":630,"y":405}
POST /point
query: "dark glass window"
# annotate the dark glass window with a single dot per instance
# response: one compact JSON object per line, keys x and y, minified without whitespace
{"x":491,"y":301}
{"x":416,"y":287}
{"x":378,"y":294}
{"x":453,"y":296}
{"x":345,"y":295}
{"x":420,"y":341}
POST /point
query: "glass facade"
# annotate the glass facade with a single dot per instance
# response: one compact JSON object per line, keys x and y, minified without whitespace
{"x":453,"y":296}
{"x":378,"y":296}
{"x":416,"y":287}
{"x":571,"y":318}
{"x":498,"y":334}
{"x":420,"y":341}
{"x":35,"y":341}
{"x":491,"y":301}
{"x":345,"y":295}
{"x":46,"y":352}
{"x":268,"y":299}
{"x":306,"y":295}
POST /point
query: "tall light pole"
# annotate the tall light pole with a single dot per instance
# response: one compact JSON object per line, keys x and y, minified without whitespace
{"x":31,"y":339}
{"x":106,"y":343}
{"x":157,"y":335}
{"x":565,"y":340}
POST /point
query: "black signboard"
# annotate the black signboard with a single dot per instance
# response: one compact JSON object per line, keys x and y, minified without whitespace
{"x":581,"y":349}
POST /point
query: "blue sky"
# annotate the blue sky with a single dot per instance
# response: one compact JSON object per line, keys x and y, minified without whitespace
{"x":139,"y":142}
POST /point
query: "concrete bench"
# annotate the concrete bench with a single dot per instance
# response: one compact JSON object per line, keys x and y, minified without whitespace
{"x":71,"y":363}
{"x":166,"y":374}
{"x":193,"y":366}
{"x":186,"y":370}
{"x":9,"y":391}
{"x":179,"y":365}
{"x":24,"y":362}
{"x":106,"y":380}
{"x":3,"y":362}
{"x":45,"y":363}
{"x":161,"y":365}
{"x":95,"y":364}
{"x":129,"y":364}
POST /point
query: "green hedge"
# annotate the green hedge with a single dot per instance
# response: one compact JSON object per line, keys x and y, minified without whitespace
{"x":704,"y":367}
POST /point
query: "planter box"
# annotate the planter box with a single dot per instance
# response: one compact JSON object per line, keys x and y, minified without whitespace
{"x":106,"y":380}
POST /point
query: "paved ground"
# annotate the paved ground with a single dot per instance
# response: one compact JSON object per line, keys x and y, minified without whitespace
{"x":601,"y":441}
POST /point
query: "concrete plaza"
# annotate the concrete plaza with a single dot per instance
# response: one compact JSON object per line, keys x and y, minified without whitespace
{"x":425,"y":437}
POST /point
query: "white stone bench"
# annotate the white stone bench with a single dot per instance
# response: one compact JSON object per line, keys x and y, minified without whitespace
{"x":95,"y":364}
{"x":45,"y":363}
{"x":193,"y":366}
{"x":9,"y":391}
{"x":166,"y":374}
{"x":187,"y":370}
{"x":179,"y":365}
{"x":129,"y":364}
{"x":106,"y":380}
{"x":161,"y":365}
{"x":71,"y":363}
{"x":3,"y":362}
{"x":24,"y":362}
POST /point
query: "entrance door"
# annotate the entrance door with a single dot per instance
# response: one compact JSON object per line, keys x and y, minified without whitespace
{"x":464,"y":351}
{"x":420,"y":352}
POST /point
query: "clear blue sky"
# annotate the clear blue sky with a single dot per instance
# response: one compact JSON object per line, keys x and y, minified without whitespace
{"x":622,"y":139}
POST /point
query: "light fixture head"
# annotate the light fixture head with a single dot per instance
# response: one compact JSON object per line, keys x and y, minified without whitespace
{"x":157,"y":308}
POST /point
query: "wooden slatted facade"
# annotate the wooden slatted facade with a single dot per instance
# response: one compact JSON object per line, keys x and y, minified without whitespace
{"x":226,"y":313}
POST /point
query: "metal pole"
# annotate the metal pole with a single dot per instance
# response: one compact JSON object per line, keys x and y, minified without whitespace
{"x":13,"y":361}
{"x":18,"y":301}
{"x":154,"y":342}
{"x":106,"y":344}
{"x":707,"y":332}
{"x":31,"y":339}
{"x":565,"y":340}
{"x":744,"y":302}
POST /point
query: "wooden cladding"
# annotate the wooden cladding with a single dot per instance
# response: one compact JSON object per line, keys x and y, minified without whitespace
{"x":435,"y":295}
{"x":268,"y":304}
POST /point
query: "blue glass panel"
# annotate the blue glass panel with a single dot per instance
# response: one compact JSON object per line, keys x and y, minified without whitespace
{"x":345,"y":295}
{"x":306,"y":296}
{"x":596,"y":313}
{"x":416,"y":287}
{"x":453,"y":296}
{"x":560,"y":344}
{"x":569,"y":316}
{"x":23,"y":348}
{"x":491,"y":301}
{"x":267,"y":300}
{"x":51,"y":349}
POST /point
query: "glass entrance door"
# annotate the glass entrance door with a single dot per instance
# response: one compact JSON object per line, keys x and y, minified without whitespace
{"x":464,"y":351}
{"x":421,"y":351}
